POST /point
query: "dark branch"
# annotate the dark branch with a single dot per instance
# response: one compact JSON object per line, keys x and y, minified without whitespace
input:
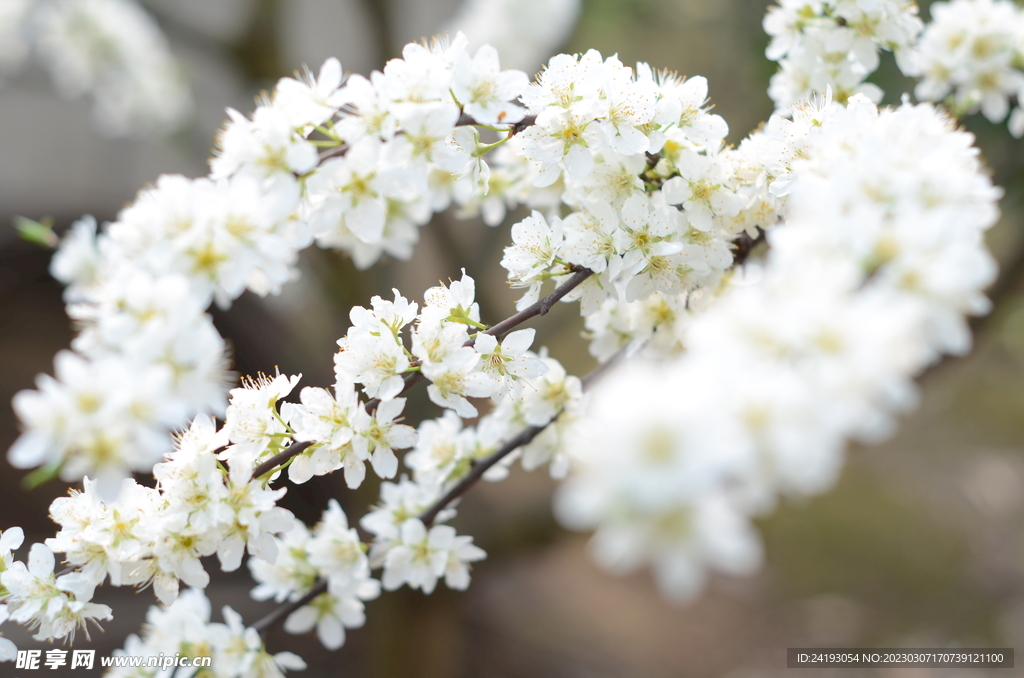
{"x":744,"y":245}
{"x":465,"y":120}
{"x":524,"y":438}
{"x":541,"y":307}
{"x":480,"y":467}
{"x":278,"y":615}
{"x":520,"y":126}
{"x":280,"y":458}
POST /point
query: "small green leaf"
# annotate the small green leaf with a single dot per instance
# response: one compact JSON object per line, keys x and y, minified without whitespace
{"x":38,"y":232}
{"x":41,"y":475}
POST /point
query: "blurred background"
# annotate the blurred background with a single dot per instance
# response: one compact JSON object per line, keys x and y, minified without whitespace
{"x":920,"y":545}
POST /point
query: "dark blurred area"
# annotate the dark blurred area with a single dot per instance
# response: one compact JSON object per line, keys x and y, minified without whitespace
{"x":919,"y":545}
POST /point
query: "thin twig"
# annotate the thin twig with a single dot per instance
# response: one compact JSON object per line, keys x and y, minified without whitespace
{"x":541,"y":307}
{"x":524,"y":438}
{"x":278,"y":615}
{"x":480,"y":467}
{"x":280,"y":458}
{"x":744,"y":245}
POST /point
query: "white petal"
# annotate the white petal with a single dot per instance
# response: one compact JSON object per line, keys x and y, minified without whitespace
{"x":385,"y":463}
{"x":301,"y":620}
{"x":40,"y":561}
{"x":330,"y":632}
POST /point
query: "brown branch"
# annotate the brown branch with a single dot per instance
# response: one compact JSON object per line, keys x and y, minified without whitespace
{"x":541,"y":307}
{"x":520,"y":126}
{"x":278,"y":615}
{"x":524,"y":437}
{"x":744,"y":245}
{"x":480,"y":467}
{"x":282,"y":457}
{"x":465,"y":120}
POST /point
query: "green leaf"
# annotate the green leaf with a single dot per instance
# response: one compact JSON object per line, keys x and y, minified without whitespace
{"x":41,"y":475}
{"x":38,"y":232}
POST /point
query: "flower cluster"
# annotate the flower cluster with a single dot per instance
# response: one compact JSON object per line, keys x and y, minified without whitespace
{"x":661,"y":205}
{"x":331,"y":551}
{"x":393,"y":148}
{"x":392,"y":156}
{"x":208,"y":502}
{"x":35,"y":597}
{"x":835,"y":43}
{"x":867,"y":282}
{"x":972,"y":56}
{"x":184,"y":628}
{"x":344,"y":432}
{"x":147,"y":358}
{"x":112,"y":50}
{"x":158,"y":536}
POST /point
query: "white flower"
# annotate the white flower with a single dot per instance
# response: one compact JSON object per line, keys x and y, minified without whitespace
{"x":456,"y":301}
{"x":682,"y":111}
{"x":425,"y":128}
{"x":508,"y":362}
{"x":420,"y":76}
{"x":378,"y":433}
{"x":332,"y":612}
{"x":568,"y":82}
{"x":656,"y":259}
{"x":190,"y":479}
{"x":326,"y":421}
{"x":435,"y":337}
{"x":113,"y":50}
{"x":375,"y":359}
{"x":548,"y":393}
{"x":335,"y":548}
{"x":11,"y":539}
{"x":367,"y":113}
{"x":308,"y":101}
{"x":561,"y":139}
{"x":264,"y":146}
{"x":239,"y":651}
{"x":352,"y":193}
{"x":252,"y":422}
{"x":422,"y":557}
{"x":537,"y":245}
{"x":77,"y":261}
{"x":702,"y":189}
{"x":972,"y":50}
{"x":456,"y":376}
{"x":249,"y":518}
{"x":631,"y":104}
{"x":486,"y":92}
{"x":36,"y":599}
{"x":102,"y":538}
{"x":594,"y":239}
{"x":8,"y":650}
{"x":437,"y":450}
{"x":291,"y":574}
{"x":399,"y":502}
